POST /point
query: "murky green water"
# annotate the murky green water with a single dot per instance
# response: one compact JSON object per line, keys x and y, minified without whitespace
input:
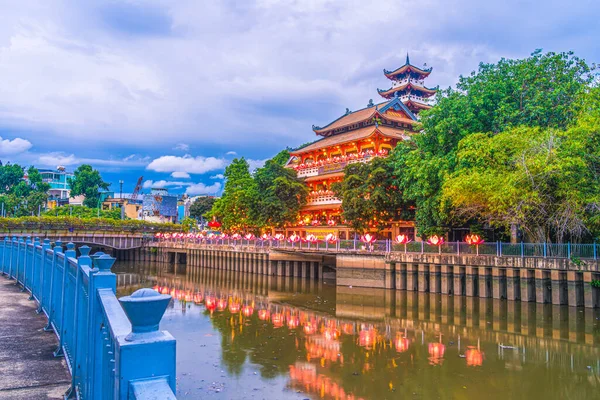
{"x":243,"y":336}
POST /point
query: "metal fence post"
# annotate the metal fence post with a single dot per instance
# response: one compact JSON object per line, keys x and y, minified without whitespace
{"x":41,"y":297}
{"x":522,"y":249}
{"x":545,"y":250}
{"x":69,"y":253}
{"x":458,"y":247}
{"x":422,"y":247}
{"x":595,"y":251}
{"x":51,"y":301}
{"x":569,"y":250}
{"x":500,"y":248}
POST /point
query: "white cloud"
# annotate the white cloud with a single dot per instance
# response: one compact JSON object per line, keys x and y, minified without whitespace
{"x":200,"y":188}
{"x":16,"y":146}
{"x":58,"y":158}
{"x":254,"y":164}
{"x":192,"y":189}
{"x":180,"y":175}
{"x":182,"y":147}
{"x":187,"y":163}
{"x":231,"y":153}
{"x":218,"y":176}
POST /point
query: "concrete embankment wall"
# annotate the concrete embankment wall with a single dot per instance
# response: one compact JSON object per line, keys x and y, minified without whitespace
{"x":555,"y":281}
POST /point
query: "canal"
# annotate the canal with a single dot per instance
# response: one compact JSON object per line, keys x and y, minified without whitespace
{"x":243,"y":336}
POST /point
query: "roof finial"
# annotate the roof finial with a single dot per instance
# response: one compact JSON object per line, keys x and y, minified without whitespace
{"x":407,"y":59}
{"x":370,"y":103}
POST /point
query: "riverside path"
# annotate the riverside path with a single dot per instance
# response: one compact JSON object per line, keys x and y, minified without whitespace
{"x":28,"y":369}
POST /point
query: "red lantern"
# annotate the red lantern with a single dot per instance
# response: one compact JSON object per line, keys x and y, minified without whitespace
{"x":279,"y":237}
{"x":293,"y":322}
{"x":474,"y":239}
{"x":222,"y":304}
{"x":331,"y":222}
{"x":294,"y":238}
{"x":331,"y":238}
{"x":435,"y":240}
{"x":402,"y":239}
{"x":312,"y":239}
{"x":368,"y":238}
{"x":366,"y":338}
{"x":214,"y":223}
{"x":436,"y":352}
{"x":198,"y":298}
{"x":210,"y":303}
{"x":236,"y":236}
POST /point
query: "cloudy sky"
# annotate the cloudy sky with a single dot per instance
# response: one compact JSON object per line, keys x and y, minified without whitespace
{"x":174,"y":90}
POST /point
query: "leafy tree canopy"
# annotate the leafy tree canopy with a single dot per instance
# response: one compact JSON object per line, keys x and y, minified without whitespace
{"x":87,"y":182}
{"x":542,"y":91}
{"x":83,"y":212}
{"x":21,"y":193}
{"x":201,"y":206}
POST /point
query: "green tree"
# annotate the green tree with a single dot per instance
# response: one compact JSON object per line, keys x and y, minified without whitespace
{"x":282,"y":194}
{"x":370,"y":196}
{"x":201,"y":206}
{"x":87,"y":182}
{"x":83,"y":212}
{"x":543,"y":90}
{"x":235,"y":209}
{"x":188,"y":224}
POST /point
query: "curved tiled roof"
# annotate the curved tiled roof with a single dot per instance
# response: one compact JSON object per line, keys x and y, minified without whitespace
{"x":352,"y":136}
{"x":410,"y":85}
{"x":350,"y":118}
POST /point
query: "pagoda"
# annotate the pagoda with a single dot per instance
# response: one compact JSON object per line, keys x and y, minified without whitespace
{"x":357,"y":136}
{"x":408,"y":83}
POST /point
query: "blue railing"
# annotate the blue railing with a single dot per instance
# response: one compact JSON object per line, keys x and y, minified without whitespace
{"x":113,"y":347}
{"x":499,"y":249}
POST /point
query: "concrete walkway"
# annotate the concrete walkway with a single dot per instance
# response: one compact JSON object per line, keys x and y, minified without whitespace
{"x":28,"y":369}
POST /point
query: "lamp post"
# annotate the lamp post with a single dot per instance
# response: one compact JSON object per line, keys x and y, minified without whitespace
{"x":121,"y":182}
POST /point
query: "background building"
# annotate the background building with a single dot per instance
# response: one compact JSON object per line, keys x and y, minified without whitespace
{"x":159,"y":206}
{"x":60,"y":190}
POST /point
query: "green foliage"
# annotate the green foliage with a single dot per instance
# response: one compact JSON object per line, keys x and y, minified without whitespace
{"x":36,"y":224}
{"x":188,"y":224}
{"x":83,"y":212}
{"x":542,"y":91}
{"x":595,"y":283}
{"x":235,"y":208}
{"x":201,"y":206}
{"x":88,"y":182}
{"x":21,"y":197}
{"x":370,"y":197}
{"x":272,"y":197}
{"x":281,"y":193}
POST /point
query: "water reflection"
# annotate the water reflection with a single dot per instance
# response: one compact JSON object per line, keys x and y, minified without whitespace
{"x":348,"y":343}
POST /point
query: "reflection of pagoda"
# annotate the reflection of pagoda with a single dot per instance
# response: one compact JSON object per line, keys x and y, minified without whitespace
{"x":358,"y":136}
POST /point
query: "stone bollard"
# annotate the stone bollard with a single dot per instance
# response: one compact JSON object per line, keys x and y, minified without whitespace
{"x":147,"y":355}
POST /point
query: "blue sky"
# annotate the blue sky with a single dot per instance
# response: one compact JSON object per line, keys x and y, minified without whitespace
{"x":174,"y":90}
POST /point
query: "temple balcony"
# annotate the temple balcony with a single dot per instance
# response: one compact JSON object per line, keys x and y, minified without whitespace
{"x":418,"y":82}
{"x":333,"y":165}
{"x":412,"y":97}
{"x":323,"y":199}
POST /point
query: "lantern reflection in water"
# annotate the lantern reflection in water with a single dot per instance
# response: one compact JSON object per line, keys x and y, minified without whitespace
{"x":277,"y":320}
{"x":222,"y":304}
{"x":293,"y":321}
{"x":401,"y":343}
{"x":367,"y":337}
{"x":198,"y":298}
{"x":474,"y":356}
{"x":211,"y":303}
{"x":248,"y":310}
{"x":264,"y":315}
{"x":436,"y":353}
{"x":234,"y":307}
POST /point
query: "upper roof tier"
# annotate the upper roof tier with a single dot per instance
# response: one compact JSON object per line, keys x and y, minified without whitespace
{"x":360,"y":118}
{"x":407,"y":69}
{"x":408,"y":87}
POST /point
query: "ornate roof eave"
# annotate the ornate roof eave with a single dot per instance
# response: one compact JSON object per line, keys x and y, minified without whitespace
{"x":398,"y":103}
{"x":392,"y":74}
{"x":392,"y":90}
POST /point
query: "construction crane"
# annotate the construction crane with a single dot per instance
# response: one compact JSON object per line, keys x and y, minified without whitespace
{"x":138,"y":187}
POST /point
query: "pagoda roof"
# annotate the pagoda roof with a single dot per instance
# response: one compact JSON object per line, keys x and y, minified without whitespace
{"x":407,"y":68}
{"x":352,"y":136}
{"x":350,"y":118}
{"x":408,"y":86}
{"x":364,"y":114}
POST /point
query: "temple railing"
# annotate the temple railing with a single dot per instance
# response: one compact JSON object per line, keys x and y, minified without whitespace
{"x":326,"y":199}
{"x":112,"y":347}
{"x":569,"y":251}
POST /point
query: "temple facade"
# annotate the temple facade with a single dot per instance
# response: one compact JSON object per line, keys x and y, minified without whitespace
{"x":358,"y":136}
